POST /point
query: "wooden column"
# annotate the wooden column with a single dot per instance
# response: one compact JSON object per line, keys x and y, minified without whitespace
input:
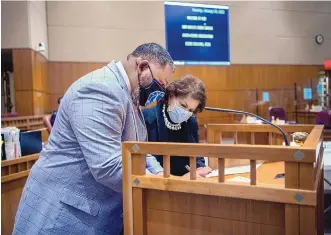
{"x":213,"y":137}
{"x":138,"y":196}
{"x":127,"y":192}
{"x":291,"y":210}
{"x":193,"y":168}
{"x":22,"y":66}
{"x":320,"y":205}
{"x":306,"y":181}
{"x":31,"y":82}
{"x":299,"y":175}
{"x":166,"y":166}
{"x":221,"y":170}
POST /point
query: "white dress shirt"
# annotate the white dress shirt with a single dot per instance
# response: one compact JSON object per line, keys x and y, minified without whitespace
{"x":123,"y":74}
{"x":151,"y":168}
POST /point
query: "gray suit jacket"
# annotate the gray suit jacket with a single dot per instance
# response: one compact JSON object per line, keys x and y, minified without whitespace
{"x":76,"y":185}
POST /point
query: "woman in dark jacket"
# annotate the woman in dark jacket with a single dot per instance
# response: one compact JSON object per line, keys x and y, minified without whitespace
{"x":173,"y":120}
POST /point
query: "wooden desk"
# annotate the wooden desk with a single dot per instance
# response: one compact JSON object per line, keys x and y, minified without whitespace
{"x":306,"y":117}
{"x":14,"y":174}
{"x":265,"y":174}
{"x":177,"y":206}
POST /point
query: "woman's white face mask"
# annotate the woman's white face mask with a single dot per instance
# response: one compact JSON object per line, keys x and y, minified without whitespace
{"x":181,"y":109}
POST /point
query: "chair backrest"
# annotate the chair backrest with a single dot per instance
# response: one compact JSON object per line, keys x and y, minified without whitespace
{"x":47,"y":122}
{"x":323,"y":117}
{"x":277,"y":112}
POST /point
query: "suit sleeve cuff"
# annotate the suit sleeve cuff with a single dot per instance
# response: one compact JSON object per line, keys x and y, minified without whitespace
{"x":153,"y":165}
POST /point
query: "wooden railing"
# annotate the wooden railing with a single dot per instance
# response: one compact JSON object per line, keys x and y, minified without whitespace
{"x":295,"y":202}
{"x":14,"y":174}
{"x":251,"y":134}
{"x":24,"y":122}
{"x":18,"y":165}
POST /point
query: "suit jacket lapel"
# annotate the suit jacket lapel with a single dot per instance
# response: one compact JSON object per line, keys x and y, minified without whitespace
{"x":161,"y":127}
{"x":112,"y":66}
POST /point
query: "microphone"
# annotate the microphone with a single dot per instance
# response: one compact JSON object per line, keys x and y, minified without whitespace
{"x":250,"y":114}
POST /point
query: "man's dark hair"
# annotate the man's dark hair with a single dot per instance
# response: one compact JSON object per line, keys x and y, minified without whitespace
{"x":59,"y":100}
{"x":154,"y":53}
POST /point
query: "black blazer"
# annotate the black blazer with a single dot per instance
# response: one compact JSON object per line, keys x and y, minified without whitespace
{"x":158,"y":132}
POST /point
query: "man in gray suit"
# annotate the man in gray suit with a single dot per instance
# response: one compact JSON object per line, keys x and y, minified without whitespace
{"x":76,"y":185}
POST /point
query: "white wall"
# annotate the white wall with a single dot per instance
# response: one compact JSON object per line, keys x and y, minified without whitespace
{"x":261,"y":32}
{"x":101,"y":31}
{"x":280,"y":32}
{"x":23,"y":24}
{"x":38,"y":25}
{"x":14,"y":25}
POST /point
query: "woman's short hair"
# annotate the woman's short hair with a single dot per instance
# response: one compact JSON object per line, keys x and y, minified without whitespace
{"x":188,"y":85}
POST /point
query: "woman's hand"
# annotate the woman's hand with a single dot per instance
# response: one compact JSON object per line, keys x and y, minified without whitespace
{"x":201,"y":172}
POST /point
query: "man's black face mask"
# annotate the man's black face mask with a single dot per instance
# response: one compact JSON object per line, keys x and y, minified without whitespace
{"x":153,"y":92}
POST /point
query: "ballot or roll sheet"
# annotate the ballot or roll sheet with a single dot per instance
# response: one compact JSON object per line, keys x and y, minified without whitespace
{"x":233,"y":170}
{"x":239,"y":179}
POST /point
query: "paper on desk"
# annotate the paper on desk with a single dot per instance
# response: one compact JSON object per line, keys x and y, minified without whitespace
{"x":233,"y":170}
{"x":239,"y":179}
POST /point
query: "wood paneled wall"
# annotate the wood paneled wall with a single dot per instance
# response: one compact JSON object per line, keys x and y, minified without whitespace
{"x":241,"y":86}
{"x":39,"y":83}
{"x":23,"y":81}
{"x":41,"y":87}
{"x":62,"y":74}
{"x":32,"y":91}
{"x":232,"y":86}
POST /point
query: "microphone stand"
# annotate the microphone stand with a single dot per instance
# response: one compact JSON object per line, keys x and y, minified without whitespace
{"x":249,"y":114}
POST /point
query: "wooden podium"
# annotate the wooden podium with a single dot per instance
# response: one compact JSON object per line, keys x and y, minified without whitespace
{"x":166,"y":205}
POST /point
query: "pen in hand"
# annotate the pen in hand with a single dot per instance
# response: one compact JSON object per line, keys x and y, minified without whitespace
{"x":187,"y":168}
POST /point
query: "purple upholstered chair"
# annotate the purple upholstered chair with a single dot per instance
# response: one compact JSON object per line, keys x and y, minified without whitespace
{"x":277,"y":112}
{"x":323,"y":118}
